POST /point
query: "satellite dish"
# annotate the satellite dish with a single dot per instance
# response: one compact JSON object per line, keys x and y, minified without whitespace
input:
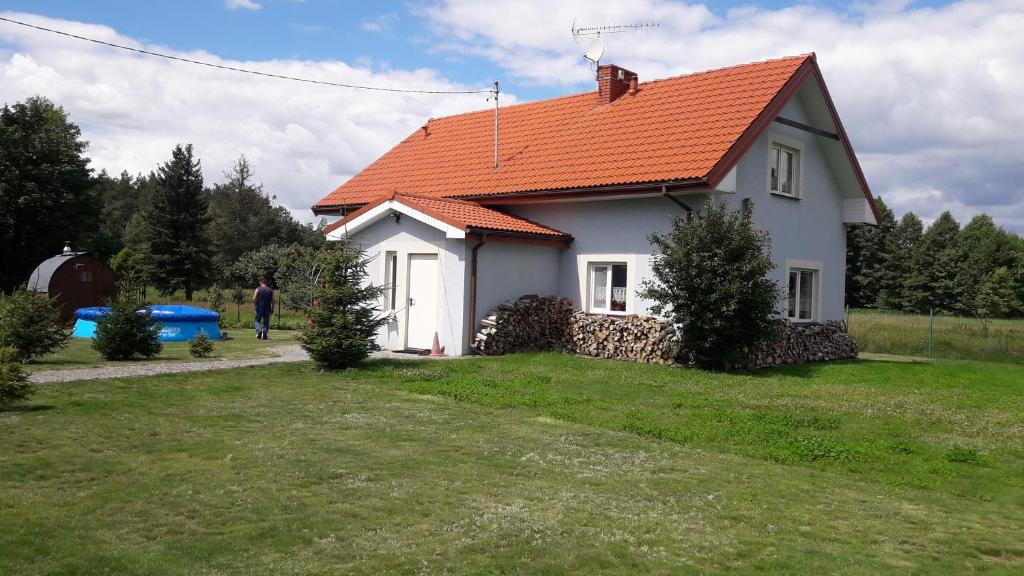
{"x":594,"y":50}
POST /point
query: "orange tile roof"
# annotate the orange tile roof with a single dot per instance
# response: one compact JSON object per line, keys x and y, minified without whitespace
{"x":462,"y":214}
{"x":670,"y":130}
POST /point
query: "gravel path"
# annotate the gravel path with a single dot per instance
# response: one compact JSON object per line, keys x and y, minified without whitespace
{"x":293,"y":353}
{"x":284,"y":354}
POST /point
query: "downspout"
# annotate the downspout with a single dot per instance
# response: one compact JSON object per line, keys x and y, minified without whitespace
{"x":472,"y":290}
{"x":677,"y":201}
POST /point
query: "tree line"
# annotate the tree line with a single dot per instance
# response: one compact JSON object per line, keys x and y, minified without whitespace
{"x":976,"y":270}
{"x":167,"y":229}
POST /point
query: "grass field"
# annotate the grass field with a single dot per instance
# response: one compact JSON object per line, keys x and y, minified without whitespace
{"x":242,"y":344}
{"x":524,"y":464}
{"x":953,"y":338}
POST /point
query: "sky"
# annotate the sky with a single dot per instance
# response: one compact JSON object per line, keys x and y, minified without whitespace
{"x":929,"y":91}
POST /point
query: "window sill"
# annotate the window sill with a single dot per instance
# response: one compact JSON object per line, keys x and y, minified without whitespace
{"x":781,"y":195}
{"x":608,"y":313}
{"x":801,"y":320}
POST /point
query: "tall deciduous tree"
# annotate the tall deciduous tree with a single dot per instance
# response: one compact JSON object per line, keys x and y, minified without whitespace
{"x":710,"y":277}
{"x":866,"y":259}
{"x":174,"y":223}
{"x":897,"y":259}
{"x":976,"y":251}
{"x":45,"y":188}
{"x":996,"y":295}
{"x":120,"y":199}
{"x":932,"y":281}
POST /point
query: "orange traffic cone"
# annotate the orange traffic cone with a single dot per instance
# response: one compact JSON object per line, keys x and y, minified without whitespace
{"x":435,"y":350}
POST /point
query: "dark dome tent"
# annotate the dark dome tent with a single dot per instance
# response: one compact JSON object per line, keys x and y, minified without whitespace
{"x":75,"y":279}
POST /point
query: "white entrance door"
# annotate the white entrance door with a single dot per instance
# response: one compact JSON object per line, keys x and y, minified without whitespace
{"x":422,"y":300}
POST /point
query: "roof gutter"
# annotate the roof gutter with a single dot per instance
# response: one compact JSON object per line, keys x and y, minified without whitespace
{"x":503,"y":197}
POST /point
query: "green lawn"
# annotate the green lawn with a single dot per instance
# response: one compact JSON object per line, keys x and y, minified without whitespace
{"x":242,"y":344}
{"x":526,"y":464}
{"x":952,"y":338}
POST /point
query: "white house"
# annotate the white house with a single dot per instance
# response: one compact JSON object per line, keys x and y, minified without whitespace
{"x":582,"y":180}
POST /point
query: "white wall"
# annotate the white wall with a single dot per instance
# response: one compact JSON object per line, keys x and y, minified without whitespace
{"x":410,"y":236}
{"x":508,"y":271}
{"x":809,"y":228}
{"x":605,"y":228}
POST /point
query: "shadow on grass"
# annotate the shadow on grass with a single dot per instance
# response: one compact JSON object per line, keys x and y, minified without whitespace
{"x":23,"y":408}
{"x":814,"y":369}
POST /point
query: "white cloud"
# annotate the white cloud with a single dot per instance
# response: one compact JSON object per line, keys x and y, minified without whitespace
{"x":242,"y":5}
{"x":381,"y":23}
{"x":303,"y":140}
{"x":930,"y":96}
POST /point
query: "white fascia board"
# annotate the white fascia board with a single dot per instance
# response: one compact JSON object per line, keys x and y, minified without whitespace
{"x":384,"y":209}
{"x":858,"y":211}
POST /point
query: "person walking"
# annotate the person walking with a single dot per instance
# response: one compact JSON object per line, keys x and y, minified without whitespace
{"x":263,"y":303}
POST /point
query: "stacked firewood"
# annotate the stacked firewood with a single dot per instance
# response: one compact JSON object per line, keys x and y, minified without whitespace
{"x":533,"y":323}
{"x":550,"y":324}
{"x":797,"y":343}
{"x":528,"y":324}
{"x":635,"y":338}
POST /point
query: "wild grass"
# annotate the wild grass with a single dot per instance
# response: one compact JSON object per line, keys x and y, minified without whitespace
{"x":237,"y":316}
{"x":525,"y":464}
{"x":952,"y":337}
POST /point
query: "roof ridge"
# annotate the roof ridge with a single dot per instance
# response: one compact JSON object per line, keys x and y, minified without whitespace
{"x":441,"y":198}
{"x":641,"y":84}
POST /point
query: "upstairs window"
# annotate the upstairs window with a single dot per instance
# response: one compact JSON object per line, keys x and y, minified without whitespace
{"x":784,"y":170}
{"x":608,"y":287}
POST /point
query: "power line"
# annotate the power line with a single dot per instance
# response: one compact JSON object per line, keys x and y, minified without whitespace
{"x":233,"y":69}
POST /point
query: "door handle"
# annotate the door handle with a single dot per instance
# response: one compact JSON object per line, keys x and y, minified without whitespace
{"x":412,"y":302}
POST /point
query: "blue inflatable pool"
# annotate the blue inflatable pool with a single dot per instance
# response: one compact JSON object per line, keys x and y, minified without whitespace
{"x":177,"y":323}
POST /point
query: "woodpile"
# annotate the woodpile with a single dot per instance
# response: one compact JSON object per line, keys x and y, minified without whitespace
{"x":528,"y":324}
{"x":532,"y":323}
{"x":634,"y":338}
{"x":797,"y":343}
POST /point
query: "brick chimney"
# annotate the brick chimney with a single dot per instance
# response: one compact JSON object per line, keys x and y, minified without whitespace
{"x":613,"y":81}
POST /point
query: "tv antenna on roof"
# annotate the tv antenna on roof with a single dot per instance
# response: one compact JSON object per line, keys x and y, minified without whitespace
{"x":595,"y":48}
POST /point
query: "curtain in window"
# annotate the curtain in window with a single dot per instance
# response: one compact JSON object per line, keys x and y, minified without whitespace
{"x":806,"y":293}
{"x":600,"y":299}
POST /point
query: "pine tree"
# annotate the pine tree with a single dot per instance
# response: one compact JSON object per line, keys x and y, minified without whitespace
{"x":346,"y":316}
{"x":932,"y":281}
{"x":897,"y":263}
{"x":865,"y":258}
{"x":174,"y":223}
{"x":243,"y":218}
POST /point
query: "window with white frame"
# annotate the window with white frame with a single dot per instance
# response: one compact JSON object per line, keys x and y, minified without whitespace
{"x":803,"y":294}
{"x":784,"y":170}
{"x":390,"y":280}
{"x":608,"y":287}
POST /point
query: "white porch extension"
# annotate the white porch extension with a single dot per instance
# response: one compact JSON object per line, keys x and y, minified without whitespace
{"x":444,"y":262}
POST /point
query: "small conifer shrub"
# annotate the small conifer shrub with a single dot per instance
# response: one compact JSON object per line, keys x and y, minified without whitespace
{"x":201,"y":346}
